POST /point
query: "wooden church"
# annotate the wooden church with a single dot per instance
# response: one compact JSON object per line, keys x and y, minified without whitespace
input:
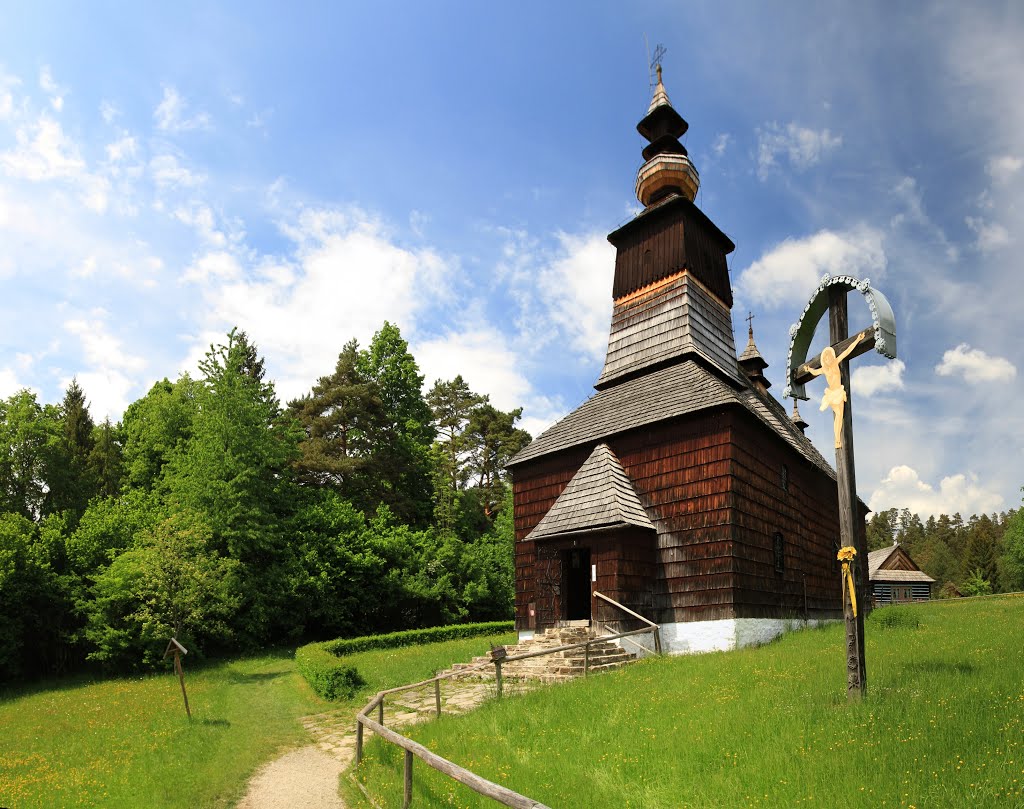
{"x":682,"y":489}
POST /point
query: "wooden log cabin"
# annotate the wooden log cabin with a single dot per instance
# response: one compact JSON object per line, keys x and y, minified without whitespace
{"x":895,"y":577}
{"x":682,"y":489}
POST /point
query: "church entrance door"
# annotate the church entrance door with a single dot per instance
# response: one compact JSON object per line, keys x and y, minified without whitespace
{"x":576,"y":564}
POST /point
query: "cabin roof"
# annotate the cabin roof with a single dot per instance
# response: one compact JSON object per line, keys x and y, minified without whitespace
{"x":894,"y":564}
{"x":678,"y":390}
{"x":599,"y":495}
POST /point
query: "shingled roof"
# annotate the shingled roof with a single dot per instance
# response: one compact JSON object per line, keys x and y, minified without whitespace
{"x":667,"y":319}
{"x":686,"y":387}
{"x":599,"y":495}
{"x":894,"y":555}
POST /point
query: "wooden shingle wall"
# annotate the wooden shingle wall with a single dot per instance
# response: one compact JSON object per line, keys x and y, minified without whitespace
{"x":798,"y":502}
{"x":713,"y":484}
{"x":681,"y":471}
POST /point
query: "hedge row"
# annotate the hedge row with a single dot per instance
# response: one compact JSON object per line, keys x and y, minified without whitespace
{"x":323,"y":666}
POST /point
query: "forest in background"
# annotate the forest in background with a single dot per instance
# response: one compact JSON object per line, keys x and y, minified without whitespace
{"x":981,"y":556}
{"x":216,"y":514}
{"x":213,"y":513}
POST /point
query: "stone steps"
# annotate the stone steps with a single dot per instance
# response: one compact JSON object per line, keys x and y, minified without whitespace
{"x":557,"y":666}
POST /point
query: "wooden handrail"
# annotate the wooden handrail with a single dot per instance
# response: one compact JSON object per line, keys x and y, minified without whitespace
{"x":489,"y":789}
{"x":628,"y":611}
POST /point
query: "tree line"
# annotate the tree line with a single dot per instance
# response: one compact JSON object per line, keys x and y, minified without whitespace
{"x":983,"y":555}
{"x":214,"y":513}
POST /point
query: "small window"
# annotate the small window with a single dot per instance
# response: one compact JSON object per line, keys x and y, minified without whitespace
{"x":780,"y":553}
{"x":784,"y":478}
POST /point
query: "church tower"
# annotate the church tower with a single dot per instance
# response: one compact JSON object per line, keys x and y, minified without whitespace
{"x":671,"y":290}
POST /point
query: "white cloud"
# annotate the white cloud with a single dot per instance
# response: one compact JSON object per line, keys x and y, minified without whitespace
{"x":168,"y":172}
{"x":721,"y":143}
{"x":343,"y":280}
{"x":170,"y":114}
{"x":43,"y":153}
{"x":903,"y":488}
{"x":108,"y":391}
{"x":9,"y":384}
{"x":871,"y":379}
{"x":789,"y":272}
{"x":109,"y":112}
{"x":51,"y":88}
{"x":122,"y":148}
{"x":802,"y":146}
{"x":100,"y":348}
{"x":1002,"y":168}
{"x":975,"y":366}
{"x":484,"y":358}
{"x":201,"y":218}
{"x":216,"y":266}
{"x":87,"y":269}
{"x":991,"y":235}
{"x":576,"y":285}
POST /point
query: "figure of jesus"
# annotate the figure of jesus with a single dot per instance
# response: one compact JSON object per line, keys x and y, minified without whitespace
{"x":835,"y":393}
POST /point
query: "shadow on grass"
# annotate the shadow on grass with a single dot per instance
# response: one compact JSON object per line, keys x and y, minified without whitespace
{"x":241,"y":678}
{"x":939,"y":667}
{"x":212,"y":723}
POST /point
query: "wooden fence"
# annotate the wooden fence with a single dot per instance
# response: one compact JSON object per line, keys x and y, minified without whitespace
{"x":497,"y":792}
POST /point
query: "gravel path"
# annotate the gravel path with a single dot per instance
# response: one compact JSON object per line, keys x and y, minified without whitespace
{"x":306,"y":778}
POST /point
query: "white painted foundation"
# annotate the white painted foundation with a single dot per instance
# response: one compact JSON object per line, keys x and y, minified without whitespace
{"x":525,"y":635}
{"x":692,"y":637}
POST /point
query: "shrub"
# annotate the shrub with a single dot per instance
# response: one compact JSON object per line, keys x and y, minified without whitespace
{"x":324,"y":669}
{"x":326,"y":673}
{"x":896,"y":618}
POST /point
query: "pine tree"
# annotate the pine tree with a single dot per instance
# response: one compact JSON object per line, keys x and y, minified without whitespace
{"x":70,"y":479}
{"x":106,"y":461}
{"x":343,"y":419}
{"x":493,"y":439}
{"x":401,"y":462}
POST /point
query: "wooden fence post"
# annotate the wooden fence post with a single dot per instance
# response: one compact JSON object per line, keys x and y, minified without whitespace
{"x":497,"y":676}
{"x":380,"y":710}
{"x":657,"y":641}
{"x":359,"y":741}
{"x":408,"y":780}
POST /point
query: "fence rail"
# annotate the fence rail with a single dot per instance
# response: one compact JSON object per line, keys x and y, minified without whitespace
{"x":497,"y":792}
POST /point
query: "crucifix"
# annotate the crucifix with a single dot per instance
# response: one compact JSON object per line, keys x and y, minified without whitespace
{"x":833,"y":364}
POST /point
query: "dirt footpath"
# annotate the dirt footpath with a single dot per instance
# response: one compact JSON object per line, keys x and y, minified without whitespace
{"x":306,"y":778}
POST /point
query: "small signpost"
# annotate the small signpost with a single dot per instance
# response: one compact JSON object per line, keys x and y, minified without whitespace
{"x":178,"y":650}
{"x":832,"y":363}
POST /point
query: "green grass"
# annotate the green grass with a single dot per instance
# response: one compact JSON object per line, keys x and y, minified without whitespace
{"x":127,"y":743}
{"x":943,"y":726}
{"x":390,"y":668}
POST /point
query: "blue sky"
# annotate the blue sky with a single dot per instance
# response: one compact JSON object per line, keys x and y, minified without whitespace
{"x":308,"y":171}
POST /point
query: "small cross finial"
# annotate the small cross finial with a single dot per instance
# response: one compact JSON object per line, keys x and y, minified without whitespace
{"x":750,"y":323}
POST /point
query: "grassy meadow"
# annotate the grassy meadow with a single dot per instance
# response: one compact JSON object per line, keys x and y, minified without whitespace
{"x":943,"y":725}
{"x":126,"y":742}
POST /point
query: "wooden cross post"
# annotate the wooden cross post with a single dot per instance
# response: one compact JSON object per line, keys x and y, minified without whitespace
{"x":833,"y":293}
{"x":178,"y":650}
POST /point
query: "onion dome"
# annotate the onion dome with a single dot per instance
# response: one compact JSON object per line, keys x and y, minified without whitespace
{"x":667,"y":169}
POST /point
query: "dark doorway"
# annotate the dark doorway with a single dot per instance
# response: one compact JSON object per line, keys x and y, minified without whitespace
{"x":576,"y":564}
